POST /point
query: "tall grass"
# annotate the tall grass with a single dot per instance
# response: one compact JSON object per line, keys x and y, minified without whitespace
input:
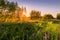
{"x":30,"y":31}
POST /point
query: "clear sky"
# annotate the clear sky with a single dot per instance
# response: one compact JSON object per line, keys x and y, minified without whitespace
{"x":45,"y":6}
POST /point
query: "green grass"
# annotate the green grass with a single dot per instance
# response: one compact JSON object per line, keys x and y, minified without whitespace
{"x":30,"y":31}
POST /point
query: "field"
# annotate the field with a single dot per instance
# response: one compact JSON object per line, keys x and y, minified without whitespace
{"x":30,"y":31}
{"x":29,"y":20}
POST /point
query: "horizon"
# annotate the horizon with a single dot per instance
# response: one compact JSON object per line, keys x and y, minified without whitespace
{"x":44,"y":6}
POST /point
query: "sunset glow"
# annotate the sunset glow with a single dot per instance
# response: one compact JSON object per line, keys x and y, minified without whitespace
{"x":45,"y":6}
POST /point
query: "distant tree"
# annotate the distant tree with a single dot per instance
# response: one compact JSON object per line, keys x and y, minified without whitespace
{"x":58,"y":16}
{"x":48,"y":16}
{"x":35,"y":14}
{"x":2,"y":3}
{"x":6,"y":7}
{"x":12,"y":6}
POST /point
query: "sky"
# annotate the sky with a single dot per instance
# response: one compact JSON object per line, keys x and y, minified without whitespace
{"x":44,"y":6}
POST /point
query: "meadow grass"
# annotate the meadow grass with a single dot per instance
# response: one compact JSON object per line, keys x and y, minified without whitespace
{"x":30,"y":31}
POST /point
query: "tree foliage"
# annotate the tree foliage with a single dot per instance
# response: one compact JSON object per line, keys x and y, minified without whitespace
{"x":35,"y":14}
{"x":11,"y":6}
{"x":7,"y":9}
{"x":48,"y":16}
{"x":2,"y":3}
{"x":58,"y":16}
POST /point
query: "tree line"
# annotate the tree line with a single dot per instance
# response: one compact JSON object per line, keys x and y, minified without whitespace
{"x":36,"y":15}
{"x":7,"y":12}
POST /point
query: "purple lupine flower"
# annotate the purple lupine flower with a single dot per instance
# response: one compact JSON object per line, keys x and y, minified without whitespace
{"x":33,"y":35}
{"x":46,"y":35}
